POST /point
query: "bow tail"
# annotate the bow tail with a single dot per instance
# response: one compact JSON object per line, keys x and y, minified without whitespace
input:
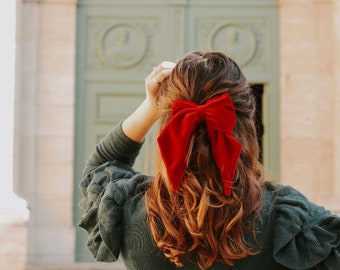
{"x":173,"y":143}
{"x":226,"y":151}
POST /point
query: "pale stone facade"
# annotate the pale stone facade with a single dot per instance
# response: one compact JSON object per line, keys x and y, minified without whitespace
{"x":309,"y":42}
{"x":309,"y":98}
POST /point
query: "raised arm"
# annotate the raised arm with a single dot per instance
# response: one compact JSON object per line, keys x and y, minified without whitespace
{"x":141,"y":120}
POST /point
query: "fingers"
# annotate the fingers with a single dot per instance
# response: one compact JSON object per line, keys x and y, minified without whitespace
{"x":160,"y":73}
{"x":160,"y":76}
{"x":155,"y":78}
{"x":163,"y":67}
{"x":154,"y":72}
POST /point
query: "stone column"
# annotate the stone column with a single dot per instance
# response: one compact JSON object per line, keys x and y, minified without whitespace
{"x":307,"y":97}
{"x":336,"y":103}
{"x":44,"y":127}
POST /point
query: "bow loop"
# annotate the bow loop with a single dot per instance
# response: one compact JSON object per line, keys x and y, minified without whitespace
{"x":220,"y":118}
{"x":180,"y":105}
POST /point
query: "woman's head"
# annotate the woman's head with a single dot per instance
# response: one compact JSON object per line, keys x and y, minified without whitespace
{"x":197,"y":219}
{"x":198,"y":77}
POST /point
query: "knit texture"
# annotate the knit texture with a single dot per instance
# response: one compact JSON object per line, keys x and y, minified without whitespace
{"x":293,"y":233}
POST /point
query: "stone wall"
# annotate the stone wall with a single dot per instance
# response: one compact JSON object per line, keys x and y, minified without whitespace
{"x":336,"y":104}
{"x":309,"y":93}
{"x":44,"y":127}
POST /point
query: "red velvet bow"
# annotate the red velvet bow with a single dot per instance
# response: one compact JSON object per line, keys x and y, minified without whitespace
{"x":220,"y":118}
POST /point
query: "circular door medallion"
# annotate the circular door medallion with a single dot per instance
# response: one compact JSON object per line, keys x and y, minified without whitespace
{"x":234,"y":40}
{"x":122,"y":46}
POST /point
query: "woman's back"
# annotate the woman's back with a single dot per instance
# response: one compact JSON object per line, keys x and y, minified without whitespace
{"x":291,"y":233}
{"x":208,"y":206}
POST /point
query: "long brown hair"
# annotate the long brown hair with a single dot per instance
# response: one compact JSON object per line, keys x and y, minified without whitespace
{"x":198,"y":223}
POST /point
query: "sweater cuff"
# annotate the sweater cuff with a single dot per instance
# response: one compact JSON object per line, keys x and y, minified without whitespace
{"x":124,"y":149}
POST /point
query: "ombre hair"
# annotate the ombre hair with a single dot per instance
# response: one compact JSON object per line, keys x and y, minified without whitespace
{"x":198,"y":222}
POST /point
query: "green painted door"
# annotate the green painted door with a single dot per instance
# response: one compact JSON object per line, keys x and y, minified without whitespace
{"x":118,"y":43}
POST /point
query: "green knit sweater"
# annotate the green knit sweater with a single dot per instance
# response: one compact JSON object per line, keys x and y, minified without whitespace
{"x":293,"y":232}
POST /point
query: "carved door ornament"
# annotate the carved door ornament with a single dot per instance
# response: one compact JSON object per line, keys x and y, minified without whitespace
{"x":234,"y":40}
{"x":122,"y":46}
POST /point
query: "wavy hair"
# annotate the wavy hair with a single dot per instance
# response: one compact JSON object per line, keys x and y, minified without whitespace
{"x":198,"y":223}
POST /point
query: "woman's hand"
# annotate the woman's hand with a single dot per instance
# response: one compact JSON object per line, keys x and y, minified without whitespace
{"x":154,"y":80}
{"x":140,"y":121}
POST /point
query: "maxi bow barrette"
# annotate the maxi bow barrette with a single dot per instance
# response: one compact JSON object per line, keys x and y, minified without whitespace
{"x":220,"y":118}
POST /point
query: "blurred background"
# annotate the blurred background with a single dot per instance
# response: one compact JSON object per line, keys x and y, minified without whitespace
{"x":70,"y":70}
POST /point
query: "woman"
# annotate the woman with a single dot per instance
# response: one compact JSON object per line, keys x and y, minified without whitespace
{"x":207,"y":207}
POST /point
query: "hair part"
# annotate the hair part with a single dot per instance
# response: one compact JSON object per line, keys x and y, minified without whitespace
{"x":198,"y":223}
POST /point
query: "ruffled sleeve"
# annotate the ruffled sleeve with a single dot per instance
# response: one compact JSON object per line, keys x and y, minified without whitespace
{"x":305,"y":235}
{"x":108,"y":182}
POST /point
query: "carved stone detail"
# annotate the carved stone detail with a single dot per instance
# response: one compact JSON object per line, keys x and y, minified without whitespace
{"x":121,"y":44}
{"x":234,"y":39}
{"x":242,"y":40}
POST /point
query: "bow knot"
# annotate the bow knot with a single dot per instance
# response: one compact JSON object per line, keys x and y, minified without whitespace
{"x":220,"y":118}
{"x":201,"y":113}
